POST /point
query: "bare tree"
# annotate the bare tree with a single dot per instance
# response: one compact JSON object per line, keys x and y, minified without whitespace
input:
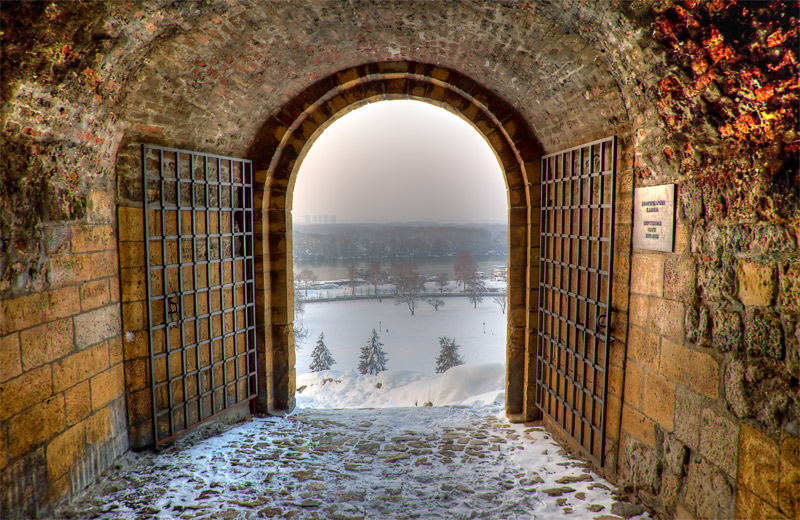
{"x":306,"y":278}
{"x":441,"y":281}
{"x":375,"y":275}
{"x":299,"y":328}
{"x":475,"y":290}
{"x":501,"y":302}
{"x":465,"y":268}
{"x":409,"y":286}
{"x":435,"y":303}
{"x":352,"y":276}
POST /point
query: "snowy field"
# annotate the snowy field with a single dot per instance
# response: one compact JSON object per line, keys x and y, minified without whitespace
{"x":412,"y":345}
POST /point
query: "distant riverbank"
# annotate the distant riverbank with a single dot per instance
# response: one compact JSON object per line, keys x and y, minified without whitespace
{"x":337,"y":269}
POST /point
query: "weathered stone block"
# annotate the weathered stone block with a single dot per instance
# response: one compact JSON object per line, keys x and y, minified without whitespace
{"x":20,"y":313}
{"x":92,"y":238}
{"x":644,"y":347}
{"x":793,"y":352}
{"x":60,"y":303}
{"x":789,"y":287}
{"x":641,"y":466}
{"x":65,"y":450}
{"x":634,"y":377}
{"x":97,"y":325}
{"x":689,"y":367}
{"x":671,"y":320}
{"x":680,"y":278}
{"x":719,"y":440}
{"x":756,"y":283}
{"x":676,"y":454}
{"x":3,"y":447}
{"x":763,"y":333}
{"x":107,"y":386}
{"x":691,"y":201}
{"x":104,"y":263}
{"x":749,"y":507}
{"x":26,"y":390}
{"x":134,"y":284}
{"x":647,"y":274}
{"x":10,"y":357}
{"x":688,"y":407}
{"x":727,"y":334}
{"x":78,"y":403}
{"x":659,"y":400}
{"x":758,"y":464}
{"x":79,"y":367}
{"x":789,"y":478}
{"x":735,"y":391}
{"x":99,"y":427}
{"x":708,"y":492}
{"x":94,"y":294}
{"x":70,"y":269}
{"x":45,"y":343}
{"x":36,"y":425}
{"x":637,"y":425}
{"x":131,"y":224}
{"x":697,"y":326}
{"x":771,"y":239}
{"x":718,"y":283}
{"x":670,"y":487}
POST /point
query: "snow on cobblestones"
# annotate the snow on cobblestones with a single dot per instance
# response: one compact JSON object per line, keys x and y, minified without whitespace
{"x":453,"y":462}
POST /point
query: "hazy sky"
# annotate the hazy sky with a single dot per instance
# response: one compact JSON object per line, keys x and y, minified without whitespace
{"x":401,"y":161}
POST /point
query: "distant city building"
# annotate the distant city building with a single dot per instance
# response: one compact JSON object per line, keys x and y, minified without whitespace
{"x":320,"y":219}
{"x":500,"y":273}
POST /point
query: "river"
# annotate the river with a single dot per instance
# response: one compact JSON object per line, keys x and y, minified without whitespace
{"x":337,"y":269}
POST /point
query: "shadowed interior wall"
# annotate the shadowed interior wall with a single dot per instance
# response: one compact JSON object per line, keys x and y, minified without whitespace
{"x":702,"y":95}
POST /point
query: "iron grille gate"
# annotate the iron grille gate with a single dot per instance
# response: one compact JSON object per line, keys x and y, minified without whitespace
{"x":198,"y":212}
{"x":575,"y":272}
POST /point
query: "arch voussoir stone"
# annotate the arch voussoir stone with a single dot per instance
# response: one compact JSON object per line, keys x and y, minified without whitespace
{"x":281,"y":144}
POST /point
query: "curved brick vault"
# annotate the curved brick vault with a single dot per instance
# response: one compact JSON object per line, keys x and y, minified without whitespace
{"x":703,"y":375}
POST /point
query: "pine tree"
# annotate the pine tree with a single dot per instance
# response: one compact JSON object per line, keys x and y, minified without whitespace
{"x":448,"y":355}
{"x":321,"y":358}
{"x":373,"y":358}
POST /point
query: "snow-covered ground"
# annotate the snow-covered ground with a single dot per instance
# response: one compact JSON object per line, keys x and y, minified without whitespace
{"x":452,"y":462}
{"x":394,"y":457}
{"x":410,"y":342}
{"x":412,"y":345}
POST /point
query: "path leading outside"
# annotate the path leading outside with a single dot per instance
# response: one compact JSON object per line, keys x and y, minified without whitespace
{"x":391,"y":463}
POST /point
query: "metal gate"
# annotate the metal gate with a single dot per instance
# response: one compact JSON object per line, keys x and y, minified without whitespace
{"x":198,"y":212}
{"x":575,"y":272}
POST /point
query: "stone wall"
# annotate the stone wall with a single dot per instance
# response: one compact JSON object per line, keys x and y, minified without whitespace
{"x":700,"y":94}
{"x":712,"y":407}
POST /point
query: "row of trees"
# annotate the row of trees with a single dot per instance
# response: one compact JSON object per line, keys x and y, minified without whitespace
{"x":345,"y":241}
{"x":410,"y":284}
{"x":373,"y":358}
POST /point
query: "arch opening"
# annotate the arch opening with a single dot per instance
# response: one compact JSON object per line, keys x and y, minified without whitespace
{"x":277,"y":152}
{"x":390,"y":192}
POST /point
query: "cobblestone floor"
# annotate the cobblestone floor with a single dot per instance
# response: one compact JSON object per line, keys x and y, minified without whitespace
{"x":401,"y":463}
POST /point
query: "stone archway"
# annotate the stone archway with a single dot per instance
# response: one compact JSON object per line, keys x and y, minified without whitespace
{"x":278,"y":150}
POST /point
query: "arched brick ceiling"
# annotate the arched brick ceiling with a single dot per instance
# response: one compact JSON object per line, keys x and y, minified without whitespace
{"x":222,"y":75}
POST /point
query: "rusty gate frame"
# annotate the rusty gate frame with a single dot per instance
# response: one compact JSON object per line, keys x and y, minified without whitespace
{"x":574,"y":317}
{"x":229,"y":213}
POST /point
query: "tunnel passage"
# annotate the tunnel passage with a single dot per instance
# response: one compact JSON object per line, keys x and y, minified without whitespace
{"x":699,"y":94}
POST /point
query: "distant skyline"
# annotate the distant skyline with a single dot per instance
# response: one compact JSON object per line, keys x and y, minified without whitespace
{"x":401,"y":161}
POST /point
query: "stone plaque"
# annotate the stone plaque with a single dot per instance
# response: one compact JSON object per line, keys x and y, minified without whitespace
{"x":654,"y":217}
